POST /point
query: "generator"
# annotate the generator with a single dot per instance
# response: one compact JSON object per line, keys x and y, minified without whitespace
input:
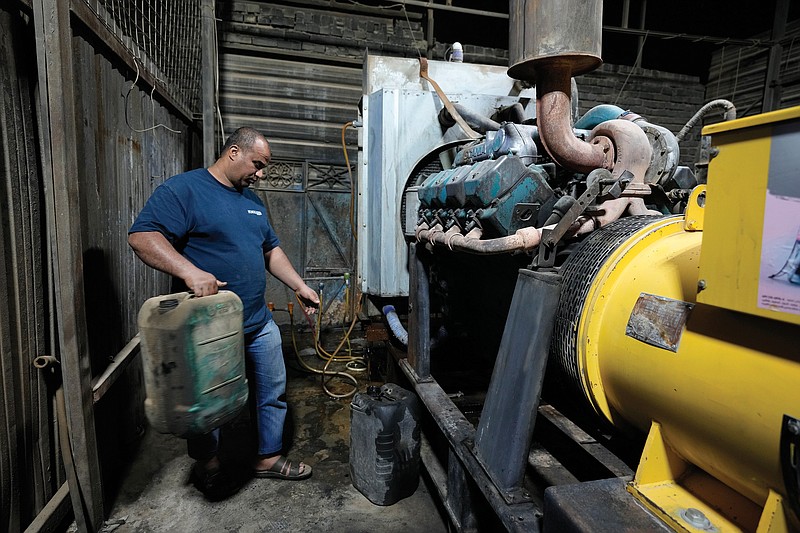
{"x":613,"y":295}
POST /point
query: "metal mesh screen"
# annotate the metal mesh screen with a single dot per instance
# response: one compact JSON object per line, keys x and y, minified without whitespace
{"x":163,"y":36}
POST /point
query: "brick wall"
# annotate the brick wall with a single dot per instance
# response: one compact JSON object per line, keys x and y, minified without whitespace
{"x":311,"y":31}
{"x":663,"y":98}
{"x":317,"y":32}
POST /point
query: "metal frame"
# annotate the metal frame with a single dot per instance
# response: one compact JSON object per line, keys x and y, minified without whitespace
{"x":520,"y":365}
{"x":460,"y":434}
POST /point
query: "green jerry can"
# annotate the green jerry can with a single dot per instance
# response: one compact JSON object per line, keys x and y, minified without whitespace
{"x":193,"y":355}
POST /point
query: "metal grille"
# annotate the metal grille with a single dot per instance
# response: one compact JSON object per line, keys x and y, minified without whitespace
{"x":579,"y":272}
{"x":328,"y":177}
{"x":164,"y":38}
{"x":303,"y":175}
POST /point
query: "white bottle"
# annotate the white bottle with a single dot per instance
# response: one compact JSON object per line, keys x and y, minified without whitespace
{"x":458,"y":53}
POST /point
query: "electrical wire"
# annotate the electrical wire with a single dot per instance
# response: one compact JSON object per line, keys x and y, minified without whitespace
{"x":411,"y":30}
{"x":216,"y":89}
{"x":352,"y":183}
{"x":636,"y":64}
{"x":152,"y":102}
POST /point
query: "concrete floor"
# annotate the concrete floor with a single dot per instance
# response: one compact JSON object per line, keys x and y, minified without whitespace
{"x":156,"y":495}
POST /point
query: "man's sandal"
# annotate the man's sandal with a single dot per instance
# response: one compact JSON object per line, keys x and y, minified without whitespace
{"x":284,"y":469}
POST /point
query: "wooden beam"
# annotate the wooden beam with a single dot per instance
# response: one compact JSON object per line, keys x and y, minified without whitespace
{"x":103,"y":382}
{"x":60,"y":164}
{"x":208,"y":90}
{"x":51,"y":516}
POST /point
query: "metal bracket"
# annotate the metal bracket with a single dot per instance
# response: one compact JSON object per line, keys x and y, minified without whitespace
{"x":406,"y":366}
{"x":600,"y":185}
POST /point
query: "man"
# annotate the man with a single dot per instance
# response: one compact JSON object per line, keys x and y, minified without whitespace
{"x":208,"y":230}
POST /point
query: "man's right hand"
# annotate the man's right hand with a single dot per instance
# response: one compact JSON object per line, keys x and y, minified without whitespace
{"x":203,"y":283}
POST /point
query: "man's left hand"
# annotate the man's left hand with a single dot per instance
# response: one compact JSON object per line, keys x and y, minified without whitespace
{"x":309,"y":299}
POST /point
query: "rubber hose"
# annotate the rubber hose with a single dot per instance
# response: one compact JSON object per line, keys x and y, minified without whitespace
{"x":394,"y":324}
{"x":730,"y":114}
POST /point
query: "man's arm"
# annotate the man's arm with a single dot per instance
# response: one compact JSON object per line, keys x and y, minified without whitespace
{"x":155,"y":251}
{"x":279,"y":266}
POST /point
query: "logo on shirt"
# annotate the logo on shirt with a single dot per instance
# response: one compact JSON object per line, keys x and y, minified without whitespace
{"x":254,"y":212}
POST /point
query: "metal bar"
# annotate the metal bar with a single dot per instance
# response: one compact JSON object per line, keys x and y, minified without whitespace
{"x":54,"y":50}
{"x":459,"y":433}
{"x":642,"y":17}
{"x":354,"y":7}
{"x":10,"y":418}
{"x":438,"y":477}
{"x":626,"y":9}
{"x":328,"y":228}
{"x":103,"y":382}
{"x":53,"y":513}
{"x":612,"y":464}
{"x":290,"y":54}
{"x":48,"y":235}
{"x":304,"y":214}
{"x":419,"y":326}
{"x":207,"y":102}
{"x":613,"y":29}
{"x":504,"y":434}
{"x":464,"y":10}
{"x":772,"y":88}
{"x":83,"y":518}
{"x":545,"y":469}
{"x":459,"y":497}
{"x":431,"y":40}
{"x":96,"y":26}
{"x":765,"y":43}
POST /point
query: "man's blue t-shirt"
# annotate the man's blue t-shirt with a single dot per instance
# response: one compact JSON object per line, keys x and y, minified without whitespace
{"x":220,"y":230}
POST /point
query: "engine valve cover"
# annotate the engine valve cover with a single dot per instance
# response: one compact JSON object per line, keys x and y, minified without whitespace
{"x":502,"y":195}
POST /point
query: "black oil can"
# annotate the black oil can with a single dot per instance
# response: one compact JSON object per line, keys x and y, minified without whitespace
{"x":385,"y":443}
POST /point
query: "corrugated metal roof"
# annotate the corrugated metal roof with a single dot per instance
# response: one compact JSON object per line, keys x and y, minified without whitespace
{"x":738,"y":73}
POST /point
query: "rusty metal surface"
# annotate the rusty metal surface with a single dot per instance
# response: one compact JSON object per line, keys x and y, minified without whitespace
{"x":542,"y":30}
{"x":309,"y":205}
{"x":555,"y":128}
{"x":658,"y":321}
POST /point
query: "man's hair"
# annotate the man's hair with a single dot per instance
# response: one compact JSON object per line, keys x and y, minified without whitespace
{"x":244,"y":137}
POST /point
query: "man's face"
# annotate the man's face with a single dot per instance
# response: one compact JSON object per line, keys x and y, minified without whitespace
{"x":249,"y":166}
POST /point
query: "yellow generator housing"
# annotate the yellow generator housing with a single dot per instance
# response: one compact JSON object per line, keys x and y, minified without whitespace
{"x":686,"y":327}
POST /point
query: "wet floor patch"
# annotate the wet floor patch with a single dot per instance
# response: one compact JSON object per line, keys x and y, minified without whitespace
{"x":156,"y":495}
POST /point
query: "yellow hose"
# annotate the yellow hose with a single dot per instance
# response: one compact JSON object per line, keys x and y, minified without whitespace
{"x":352,"y":183}
{"x":327,"y":357}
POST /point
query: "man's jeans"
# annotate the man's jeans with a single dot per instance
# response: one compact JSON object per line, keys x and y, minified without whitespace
{"x":266,"y":375}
